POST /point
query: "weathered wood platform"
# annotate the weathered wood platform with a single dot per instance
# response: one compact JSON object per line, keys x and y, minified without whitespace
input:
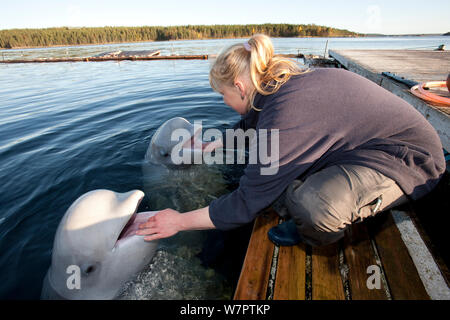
{"x":342,"y":271}
{"x":417,"y":65}
{"x":392,"y":243}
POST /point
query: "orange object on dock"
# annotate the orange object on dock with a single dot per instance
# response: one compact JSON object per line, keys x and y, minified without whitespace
{"x":419,"y":91}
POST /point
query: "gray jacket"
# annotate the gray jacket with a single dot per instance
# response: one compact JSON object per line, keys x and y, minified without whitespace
{"x":328,"y":117}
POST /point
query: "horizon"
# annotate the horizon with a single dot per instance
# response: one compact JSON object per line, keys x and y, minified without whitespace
{"x":269,"y":23}
{"x":380,"y":17}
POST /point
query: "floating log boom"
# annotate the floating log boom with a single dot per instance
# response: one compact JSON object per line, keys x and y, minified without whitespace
{"x":97,"y":59}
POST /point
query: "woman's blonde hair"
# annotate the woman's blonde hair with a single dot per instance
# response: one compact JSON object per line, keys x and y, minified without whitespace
{"x":268,"y":72}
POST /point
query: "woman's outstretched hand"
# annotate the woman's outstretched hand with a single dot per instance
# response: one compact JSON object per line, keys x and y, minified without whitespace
{"x":164,"y":224}
{"x":211,"y":146}
{"x":168,"y":222}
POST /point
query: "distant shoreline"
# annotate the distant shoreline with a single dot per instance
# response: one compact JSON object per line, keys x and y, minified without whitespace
{"x":61,"y":37}
{"x":65,"y":36}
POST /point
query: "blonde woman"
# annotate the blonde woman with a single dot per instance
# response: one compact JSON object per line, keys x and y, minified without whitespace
{"x":348,"y":149}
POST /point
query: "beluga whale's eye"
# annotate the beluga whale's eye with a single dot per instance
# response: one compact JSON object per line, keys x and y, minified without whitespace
{"x":163,"y":153}
{"x":87,"y":270}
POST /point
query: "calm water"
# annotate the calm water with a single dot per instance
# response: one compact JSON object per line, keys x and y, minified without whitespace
{"x":69,"y":128}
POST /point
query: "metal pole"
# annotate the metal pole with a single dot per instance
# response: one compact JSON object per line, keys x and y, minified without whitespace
{"x":325,"y":53}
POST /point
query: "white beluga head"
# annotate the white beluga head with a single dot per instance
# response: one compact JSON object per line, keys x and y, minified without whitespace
{"x":95,"y":250}
{"x":174,"y":139}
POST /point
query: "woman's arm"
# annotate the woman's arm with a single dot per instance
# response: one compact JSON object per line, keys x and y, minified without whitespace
{"x":211,"y":146}
{"x":168,"y":222}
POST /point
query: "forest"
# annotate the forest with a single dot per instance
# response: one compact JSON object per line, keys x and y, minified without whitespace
{"x":20,"y":38}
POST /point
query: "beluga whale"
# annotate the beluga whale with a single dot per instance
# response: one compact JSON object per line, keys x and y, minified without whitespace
{"x":95,"y":249}
{"x":181,"y":185}
{"x":173,"y":139}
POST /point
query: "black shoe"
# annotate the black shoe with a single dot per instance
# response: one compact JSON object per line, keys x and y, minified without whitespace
{"x":285,"y":234}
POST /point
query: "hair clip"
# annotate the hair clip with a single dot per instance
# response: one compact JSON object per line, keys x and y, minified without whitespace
{"x":247,"y":46}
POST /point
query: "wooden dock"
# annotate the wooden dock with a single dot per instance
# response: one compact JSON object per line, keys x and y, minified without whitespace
{"x":372,"y":262}
{"x":417,"y":65}
{"x":393,"y":246}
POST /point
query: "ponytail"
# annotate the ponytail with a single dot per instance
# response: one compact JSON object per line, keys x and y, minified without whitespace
{"x":268,"y":72}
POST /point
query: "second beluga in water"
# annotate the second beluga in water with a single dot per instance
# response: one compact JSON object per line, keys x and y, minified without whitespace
{"x":175,"y":139}
{"x":174,"y":174}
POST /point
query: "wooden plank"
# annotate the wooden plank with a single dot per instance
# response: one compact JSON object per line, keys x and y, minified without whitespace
{"x":359,"y":255}
{"x":254,"y":278}
{"x":434,"y":233}
{"x":291,"y":273}
{"x":326,"y":278}
{"x":417,"y":65}
{"x":401,"y":274}
{"x":432,"y":278}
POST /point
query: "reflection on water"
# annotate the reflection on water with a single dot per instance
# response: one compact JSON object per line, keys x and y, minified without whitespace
{"x":67,"y":129}
{"x":184,"y":190}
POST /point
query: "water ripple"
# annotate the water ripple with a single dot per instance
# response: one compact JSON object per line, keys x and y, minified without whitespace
{"x":70,"y":128}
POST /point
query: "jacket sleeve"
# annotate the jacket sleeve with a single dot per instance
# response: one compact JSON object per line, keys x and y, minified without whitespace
{"x":298,"y":150}
{"x":248,"y":121}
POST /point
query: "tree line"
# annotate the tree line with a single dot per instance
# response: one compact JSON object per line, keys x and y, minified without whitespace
{"x":14,"y":38}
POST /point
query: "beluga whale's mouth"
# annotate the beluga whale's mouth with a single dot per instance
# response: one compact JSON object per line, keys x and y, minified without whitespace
{"x":130,"y":228}
{"x":194,"y":143}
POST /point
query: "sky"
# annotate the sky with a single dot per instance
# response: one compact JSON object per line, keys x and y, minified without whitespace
{"x":382,"y":16}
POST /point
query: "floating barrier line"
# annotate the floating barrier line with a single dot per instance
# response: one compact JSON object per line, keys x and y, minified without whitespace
{"x":131,"y":58}
{"x":97,"y":59}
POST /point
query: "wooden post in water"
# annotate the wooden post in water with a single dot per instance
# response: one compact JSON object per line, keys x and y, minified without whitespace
{"x":325,"y":53}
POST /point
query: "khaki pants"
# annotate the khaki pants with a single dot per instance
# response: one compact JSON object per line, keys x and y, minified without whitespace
{"x":327,"y":202}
